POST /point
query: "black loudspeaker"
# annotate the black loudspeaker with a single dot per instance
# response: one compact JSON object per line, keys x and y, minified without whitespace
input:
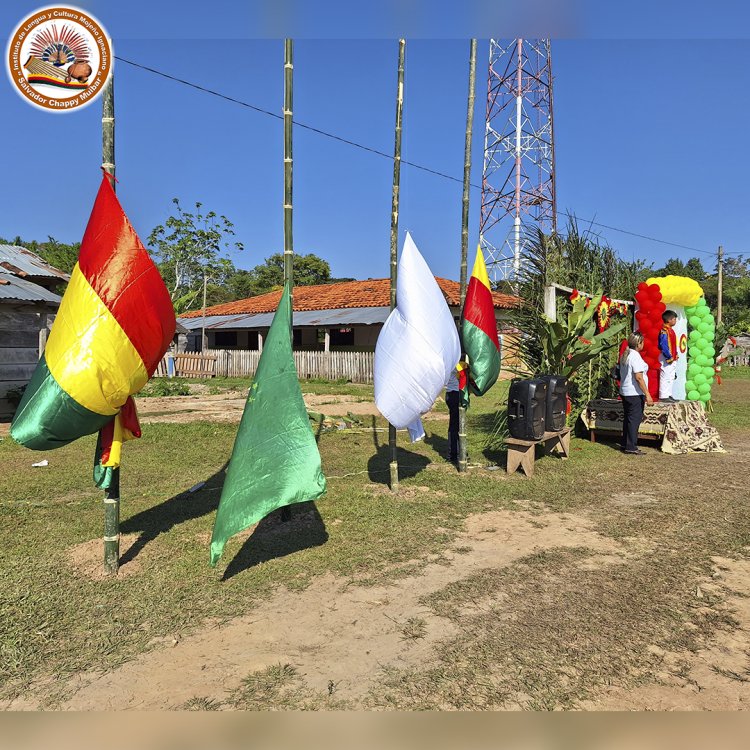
{"x":527,"y":406}
{"x":557,"y":402}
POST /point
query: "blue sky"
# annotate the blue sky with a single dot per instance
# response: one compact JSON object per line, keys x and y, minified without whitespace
{"x":649,"y":134}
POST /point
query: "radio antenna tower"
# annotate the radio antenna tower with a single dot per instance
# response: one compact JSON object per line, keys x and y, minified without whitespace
{"x":518,"y":182}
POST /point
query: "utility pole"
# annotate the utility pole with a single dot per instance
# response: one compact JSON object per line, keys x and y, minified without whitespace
{"x":720,"y":295}
{"x":394,"y":231}
{"x":112,"y":494}
{"x":465,"y":228}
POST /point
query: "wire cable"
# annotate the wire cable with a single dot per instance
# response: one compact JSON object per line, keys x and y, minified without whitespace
{"x":412,"y":164}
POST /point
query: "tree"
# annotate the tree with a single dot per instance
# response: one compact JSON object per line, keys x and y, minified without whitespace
{"x":308,"y":270}
{"x":673,"y":267}
{"x":736,"y":268}
{"x":189,"y":248}
{"x":694,"y":270}
{"x":59,"y":254}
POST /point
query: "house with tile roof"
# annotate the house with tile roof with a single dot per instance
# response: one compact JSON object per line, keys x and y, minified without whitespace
{"x":344,"y":316}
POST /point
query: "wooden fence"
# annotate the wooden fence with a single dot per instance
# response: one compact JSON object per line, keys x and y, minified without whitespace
{"x":356,"y":367}
{"x":738,"y":360}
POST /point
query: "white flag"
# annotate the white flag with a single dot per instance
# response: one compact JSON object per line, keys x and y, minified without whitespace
{"x":418,"y":348}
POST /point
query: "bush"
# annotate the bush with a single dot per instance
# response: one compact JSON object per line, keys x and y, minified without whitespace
{"x":160,"y":387}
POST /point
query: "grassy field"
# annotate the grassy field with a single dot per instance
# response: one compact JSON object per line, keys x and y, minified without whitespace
{"x":56,"y":622}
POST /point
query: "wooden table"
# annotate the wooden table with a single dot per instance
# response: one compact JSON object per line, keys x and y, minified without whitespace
{"x":523,"y":452}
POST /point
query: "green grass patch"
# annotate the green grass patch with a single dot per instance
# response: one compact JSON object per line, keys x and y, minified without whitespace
{"x":56,"y":620}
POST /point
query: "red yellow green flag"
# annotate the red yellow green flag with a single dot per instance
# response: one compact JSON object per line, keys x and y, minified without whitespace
{"x":114,"y":324}
{"x":479,"y":330}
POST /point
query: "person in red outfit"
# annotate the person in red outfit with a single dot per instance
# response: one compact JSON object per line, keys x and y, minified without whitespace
{"x":668,"y":355}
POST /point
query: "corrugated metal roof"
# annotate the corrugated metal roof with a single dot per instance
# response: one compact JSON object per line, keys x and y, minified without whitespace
{"x":14,"y":289}
{"x":193,"y":324}
{"x":28,"y":263}
{"x":321,"y":318}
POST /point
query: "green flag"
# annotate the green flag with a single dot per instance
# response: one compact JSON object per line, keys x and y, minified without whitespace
{"x":275,"y":460}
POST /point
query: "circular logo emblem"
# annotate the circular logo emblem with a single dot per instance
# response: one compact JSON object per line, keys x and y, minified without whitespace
{"x":59,"y":58}
{"x":683,"y":343}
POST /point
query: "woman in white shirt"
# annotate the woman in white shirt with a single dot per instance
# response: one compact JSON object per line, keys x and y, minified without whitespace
{"x":634,"y":392}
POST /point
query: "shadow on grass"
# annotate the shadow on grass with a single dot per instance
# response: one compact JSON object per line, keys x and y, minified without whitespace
{"x":378,"y":466}
{"x":495,"y":430}
{"x":182,"y":507}
{"x":273,"y":538}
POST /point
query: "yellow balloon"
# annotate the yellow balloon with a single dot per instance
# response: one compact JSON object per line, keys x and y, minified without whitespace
{"x":678,"y":290}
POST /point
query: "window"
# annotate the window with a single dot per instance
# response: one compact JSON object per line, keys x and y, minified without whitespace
{"x":342,"y":337}
{"x":296,"y":338}
{"x":225,"y":339}
{"x":252,"y":341}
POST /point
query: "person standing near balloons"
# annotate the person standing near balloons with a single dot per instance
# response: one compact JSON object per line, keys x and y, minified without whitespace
{"x":634,"y":392}
{"x":668,"y":355}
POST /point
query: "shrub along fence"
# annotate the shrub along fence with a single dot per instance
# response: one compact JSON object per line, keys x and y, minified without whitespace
{"x":357,"y":367}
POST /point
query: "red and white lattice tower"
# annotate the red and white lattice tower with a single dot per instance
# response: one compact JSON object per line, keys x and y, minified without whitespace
{"x":518,"y":182}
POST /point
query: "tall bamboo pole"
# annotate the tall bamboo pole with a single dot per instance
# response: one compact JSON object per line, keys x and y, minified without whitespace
{"x":286,"y":512}
{"x":288,"y":242}
{"x":465,"y":227}
{"x":394,"y":231}
{"x":112,"y":495}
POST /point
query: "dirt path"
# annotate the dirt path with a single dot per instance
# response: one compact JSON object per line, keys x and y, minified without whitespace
{"x":227,"y":407}
{"x":332,"y":632}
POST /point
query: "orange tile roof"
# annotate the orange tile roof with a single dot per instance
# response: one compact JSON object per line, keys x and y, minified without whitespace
{"x":369,"y":293}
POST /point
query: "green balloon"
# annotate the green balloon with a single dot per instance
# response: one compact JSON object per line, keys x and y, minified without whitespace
{"x":695,"y":335}
{"x":705,"y":397}
{"x":701,"y":302}
{"x":699,"y":379}
{"x":702,"y":360}
{"x":693,"y":369}
{"x":705,"y":388}
{"x":709,"y":372}
{"x":710,"y":335}
{"x":690,"y":385}
{"x":694,"y":320}
{"x":704,"y":327}
{"x":709,"y":351}
{"x":693,"y":395}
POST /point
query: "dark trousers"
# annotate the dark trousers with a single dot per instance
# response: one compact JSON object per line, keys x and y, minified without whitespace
{"x":632,"y":409}
{"x":451,"y":399}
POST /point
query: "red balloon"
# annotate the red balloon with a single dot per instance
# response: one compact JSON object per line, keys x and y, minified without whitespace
{"x":656,"y":296}
{"x":660,"y":308}
{"x":646,"y":309}
{"x":642,"y":286}
{"x":654,"y":288}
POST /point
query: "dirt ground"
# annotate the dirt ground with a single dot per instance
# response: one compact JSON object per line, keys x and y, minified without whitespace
{"x":228,"y":407}
{"x":340,"y":636}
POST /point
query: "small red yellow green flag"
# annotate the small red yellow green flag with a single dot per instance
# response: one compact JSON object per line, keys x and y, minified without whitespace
{"x":479,"y":330}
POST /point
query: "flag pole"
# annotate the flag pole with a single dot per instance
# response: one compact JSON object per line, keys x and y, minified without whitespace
{"x":286,"y":512}
{"x":394,"y":232}
{"x":112,"y":494}
{"x":465,"y":229}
